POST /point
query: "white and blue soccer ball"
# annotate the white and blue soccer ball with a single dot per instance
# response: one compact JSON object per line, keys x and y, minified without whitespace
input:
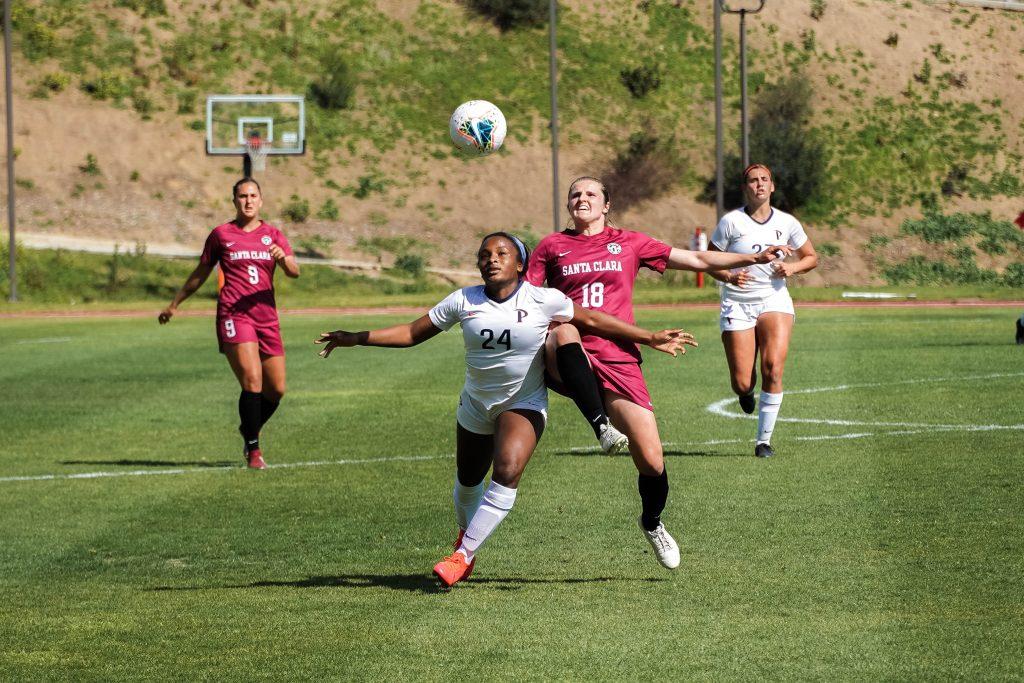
{"x":477,"y":127}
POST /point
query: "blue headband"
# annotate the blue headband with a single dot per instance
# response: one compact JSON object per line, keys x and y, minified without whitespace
{"x":521,"y":247}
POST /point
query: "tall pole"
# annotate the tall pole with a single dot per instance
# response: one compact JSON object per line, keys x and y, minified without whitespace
{"x":719,"y":171}
{"x":553,"y":77}
{"x":11,"y":245}
{"x":743,"y":87}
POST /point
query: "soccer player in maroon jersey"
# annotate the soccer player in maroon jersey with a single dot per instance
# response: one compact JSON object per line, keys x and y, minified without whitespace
{"x":248,"y":251}
{"x":595,"y":264}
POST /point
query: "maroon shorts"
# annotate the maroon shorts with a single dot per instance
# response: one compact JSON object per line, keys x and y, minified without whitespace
{"x":238,"y":329}
{"x":622,"y":378}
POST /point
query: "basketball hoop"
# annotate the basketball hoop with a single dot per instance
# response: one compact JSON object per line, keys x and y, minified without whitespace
{"x":257,"y":151}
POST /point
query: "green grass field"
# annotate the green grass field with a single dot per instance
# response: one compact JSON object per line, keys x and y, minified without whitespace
{"x":884,"y":542}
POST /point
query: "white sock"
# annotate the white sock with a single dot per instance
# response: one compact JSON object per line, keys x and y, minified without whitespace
{"x":497,"y":503}
{"x":467,"y":500}
{"x":767,"y":411}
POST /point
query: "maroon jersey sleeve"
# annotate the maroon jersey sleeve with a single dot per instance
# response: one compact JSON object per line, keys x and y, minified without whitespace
{"x":651,"y":253}
{"x":212,"y":249}
{"x":536,"y":273}
{"x":282,"y":241}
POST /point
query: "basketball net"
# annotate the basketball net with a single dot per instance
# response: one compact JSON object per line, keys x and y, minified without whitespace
{"x":257,"y":151}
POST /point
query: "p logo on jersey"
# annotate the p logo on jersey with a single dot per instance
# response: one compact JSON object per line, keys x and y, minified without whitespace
{"x":614,"y":248}
{"x":266,"y":240}
{"x":520,"y":314}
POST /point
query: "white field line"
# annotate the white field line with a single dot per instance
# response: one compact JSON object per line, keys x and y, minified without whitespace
{"x":224,"y":468}
{"x":719,"y":407}
{"x":45,"y":340}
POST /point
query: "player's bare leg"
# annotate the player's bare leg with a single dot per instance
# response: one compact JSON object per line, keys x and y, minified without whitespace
{"x":566,"y":361}
{"x":273,"y":386}
{"x":244,"y":360}
{"x":515,"y":438}
{"x":741,"y":353}
{"x":639,"y":425}
{"x":773,"y":333}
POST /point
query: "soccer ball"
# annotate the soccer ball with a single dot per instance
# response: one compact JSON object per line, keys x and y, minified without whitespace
{"x":477,"y":126}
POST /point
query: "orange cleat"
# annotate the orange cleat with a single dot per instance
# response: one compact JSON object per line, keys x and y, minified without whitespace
{"x":453,"y":569}
{"x":255,"y":459}
{"x":458,"y":542}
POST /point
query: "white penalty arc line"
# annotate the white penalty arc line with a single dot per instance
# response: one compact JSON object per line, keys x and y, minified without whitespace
{"x":221,"y":468}
{"x":719,"y":408}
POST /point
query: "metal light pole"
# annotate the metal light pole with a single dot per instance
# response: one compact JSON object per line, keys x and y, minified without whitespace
{"x":719,"y":171}
{"x":743,"y":72}
{"x":11,"y":246}
{"x":553,"y":76}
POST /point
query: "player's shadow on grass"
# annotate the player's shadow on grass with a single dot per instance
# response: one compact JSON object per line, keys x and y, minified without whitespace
{"x":124,"y":462}
{"x":413,"y":583}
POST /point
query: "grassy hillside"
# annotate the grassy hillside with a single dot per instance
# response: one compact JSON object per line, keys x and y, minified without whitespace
{"x":910,"y":101}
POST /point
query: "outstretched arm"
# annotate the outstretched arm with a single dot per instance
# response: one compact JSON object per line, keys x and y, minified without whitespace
{"x":739,"y":278}
{"x":684,"y":259}
{"x":192,"y":284}
{"x":399,"y":336}
{"x":603,"y":325}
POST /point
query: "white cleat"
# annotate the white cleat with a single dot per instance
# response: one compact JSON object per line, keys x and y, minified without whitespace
{"x":613,"y":442}
{"x":664,"y":545}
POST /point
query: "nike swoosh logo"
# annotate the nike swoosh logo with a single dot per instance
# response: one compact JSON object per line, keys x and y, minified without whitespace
{"x":229,"y":244}
{"x":563,"y":253}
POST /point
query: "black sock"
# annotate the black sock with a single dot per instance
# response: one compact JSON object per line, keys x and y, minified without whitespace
{"x":267,"y":408}
{"x":249,"y":413}
{"x":579,"y":380}
{"x":653,"y":496}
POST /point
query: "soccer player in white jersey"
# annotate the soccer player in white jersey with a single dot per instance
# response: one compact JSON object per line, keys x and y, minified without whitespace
{"x":596,"y":264}
{"x":503,"y":406}
{"x":757,"y":312}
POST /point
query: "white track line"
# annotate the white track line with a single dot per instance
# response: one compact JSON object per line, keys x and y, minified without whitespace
{"x":224,"y":468}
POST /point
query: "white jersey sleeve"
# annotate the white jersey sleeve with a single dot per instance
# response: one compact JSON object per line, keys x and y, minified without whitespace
{"x":448,"y":312}
{"x":554,"y":304}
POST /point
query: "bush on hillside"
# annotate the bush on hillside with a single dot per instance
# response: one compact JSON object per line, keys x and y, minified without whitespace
{"x":643,"y":170}
{"x":782,"y":138}
{"x":334,"y":88}
{"x":642,"y":80}
{"x":510,"y":14}
{"x":147,"y":8}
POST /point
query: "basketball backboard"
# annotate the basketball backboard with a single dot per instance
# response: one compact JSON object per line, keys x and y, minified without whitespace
{"x":279,"y":121}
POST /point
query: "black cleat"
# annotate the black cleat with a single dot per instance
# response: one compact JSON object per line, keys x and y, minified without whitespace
{"x":747,"y":402}
{"x":1020,"y":332}
{"x":764,"y":450}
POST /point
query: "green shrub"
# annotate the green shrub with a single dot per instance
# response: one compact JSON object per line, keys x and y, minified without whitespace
{"x":147,"y":8}
{"x":413,"y":265}
{"x":829,"y":249}
{"x":366,"y":185}
{"x":329,"y":211}
{"x":1013,"y":276}
{"x":818,"y":9}
{"x":334,"y":88}
{"x":91,"y":166}
{"x":296,"y":210}
{"x":107,"y":85}
{"x":646,"y":168}
{"x":782,"y":138}
{"x":510,"y":14}
{"x":37,"y":40}
{"x":641,"y":80}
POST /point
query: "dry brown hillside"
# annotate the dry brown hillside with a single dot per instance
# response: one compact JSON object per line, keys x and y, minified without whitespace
{"x":180,"y":192}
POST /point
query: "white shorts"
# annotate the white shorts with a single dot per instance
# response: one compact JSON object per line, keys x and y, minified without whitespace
{"x":742,"y":315}
{"x":474,"y":417}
